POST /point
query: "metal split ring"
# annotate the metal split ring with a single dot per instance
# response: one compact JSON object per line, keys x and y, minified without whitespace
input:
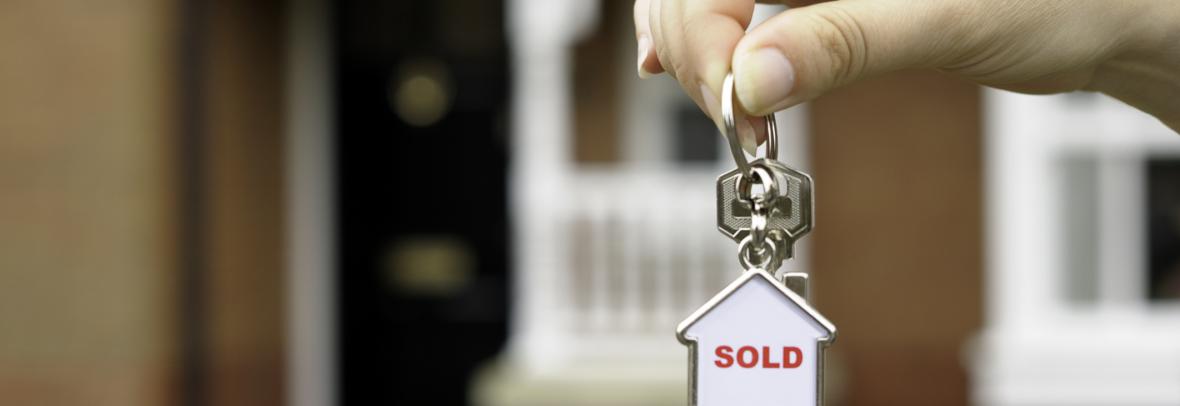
{"x":729,"y":117}
{"x":759,"y":224}
{"x":768,"y":260}
{"x":744,"y":186}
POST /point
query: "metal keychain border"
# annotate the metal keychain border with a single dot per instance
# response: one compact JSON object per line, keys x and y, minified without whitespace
{"x":693,"y":359}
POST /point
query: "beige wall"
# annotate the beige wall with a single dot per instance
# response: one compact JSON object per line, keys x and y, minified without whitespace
{"x":89,"y":203}
{"x":898,"y":249}
{"x":87,"y":268}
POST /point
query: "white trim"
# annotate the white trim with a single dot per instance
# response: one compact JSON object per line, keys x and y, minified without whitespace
{"x":310,"y":352}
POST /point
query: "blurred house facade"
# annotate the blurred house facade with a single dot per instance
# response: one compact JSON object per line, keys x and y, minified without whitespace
{"x":167,"y":210}
{"x":613,"y":189}
{"x":1081,"y":294}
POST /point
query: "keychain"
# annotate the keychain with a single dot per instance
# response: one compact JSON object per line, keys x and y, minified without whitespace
{"x":758,"y":341}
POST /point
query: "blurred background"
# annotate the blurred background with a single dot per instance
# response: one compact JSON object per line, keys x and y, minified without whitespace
{"x":454,"y":202}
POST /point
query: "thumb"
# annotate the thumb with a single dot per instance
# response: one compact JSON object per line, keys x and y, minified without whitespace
{"x":805,"y":52}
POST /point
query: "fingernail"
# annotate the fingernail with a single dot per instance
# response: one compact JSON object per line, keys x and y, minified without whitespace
{"x":747,"y":137}
{"x":712,"y":104}
{"x":644,"y":48}
{"x":759,"y":125}
{"x":764,"y":78}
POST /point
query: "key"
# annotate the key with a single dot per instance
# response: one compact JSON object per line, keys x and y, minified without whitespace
{"x":758,"y":341}
{"x":791,"y":216}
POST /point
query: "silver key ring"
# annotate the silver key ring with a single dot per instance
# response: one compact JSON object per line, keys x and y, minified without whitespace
{"x":731,"y":131}
{"x":758,"y":171}
{"x":768,"y":261}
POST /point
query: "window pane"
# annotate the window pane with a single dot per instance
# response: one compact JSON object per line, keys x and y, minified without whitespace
{"x":696,"y":136}
{"x":1163,"y":211}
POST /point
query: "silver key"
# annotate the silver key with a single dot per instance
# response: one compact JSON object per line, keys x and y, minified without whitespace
{"x":791,"y":211}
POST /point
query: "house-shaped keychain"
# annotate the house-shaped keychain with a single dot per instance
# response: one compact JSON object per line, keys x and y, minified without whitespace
{"x":756,"y":343}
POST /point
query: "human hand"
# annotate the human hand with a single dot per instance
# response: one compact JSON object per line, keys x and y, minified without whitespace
{"x":1129,"y":49}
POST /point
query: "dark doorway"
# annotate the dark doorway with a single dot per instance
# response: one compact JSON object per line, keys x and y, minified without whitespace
{"x":421,"y":103}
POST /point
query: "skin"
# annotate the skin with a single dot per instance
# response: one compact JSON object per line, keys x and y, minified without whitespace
{"x":1128,"y":49}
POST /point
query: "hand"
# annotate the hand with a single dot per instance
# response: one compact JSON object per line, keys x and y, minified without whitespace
{"x":1129,"y":49}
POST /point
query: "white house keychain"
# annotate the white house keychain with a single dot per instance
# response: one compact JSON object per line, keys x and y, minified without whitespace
{"x":758,"y":341}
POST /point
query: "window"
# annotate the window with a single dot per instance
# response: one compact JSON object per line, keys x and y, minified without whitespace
{"x":696,"y":136}
{"x":1084,"y":244}
{"x":1163,"y":230}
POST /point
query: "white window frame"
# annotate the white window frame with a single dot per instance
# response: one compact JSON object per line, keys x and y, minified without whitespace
{"x":1037,"y":346}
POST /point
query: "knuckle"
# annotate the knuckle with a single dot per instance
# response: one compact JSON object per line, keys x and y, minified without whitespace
{"x":965,"y":39}
{"x":843,"y":40}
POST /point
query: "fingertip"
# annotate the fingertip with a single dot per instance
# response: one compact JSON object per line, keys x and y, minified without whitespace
{"x":758,"y":124}
{"x":650,"y":67}
{"x":712,"y":106}
{"x":748,"y":136}
{"x":647,"y":62}
{"x":764,"y":79}
{"x":644,"y":49}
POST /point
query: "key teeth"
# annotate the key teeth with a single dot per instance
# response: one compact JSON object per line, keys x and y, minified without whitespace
{"x":797,"y":282}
